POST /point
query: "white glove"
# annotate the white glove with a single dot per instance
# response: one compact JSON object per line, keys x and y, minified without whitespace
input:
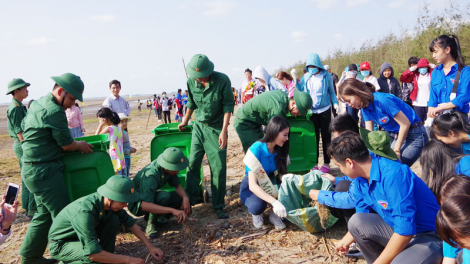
{"x":343,"y":75}
{"x":432,"y":65}
{"x":413,"y":68}
{"x":279,"y":209}
{"x":335,"y":106}
{"x":428,"y":122}
{"x":293,"y":72}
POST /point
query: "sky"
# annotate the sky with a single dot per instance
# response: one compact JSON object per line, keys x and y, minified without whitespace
{"x":142,"y":43}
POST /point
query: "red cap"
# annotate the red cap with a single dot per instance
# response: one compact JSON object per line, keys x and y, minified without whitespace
{"x":365,"y":66}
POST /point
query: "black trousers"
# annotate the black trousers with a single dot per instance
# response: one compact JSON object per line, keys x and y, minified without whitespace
{"x":166,"y":117}
{"x":322,"y":122}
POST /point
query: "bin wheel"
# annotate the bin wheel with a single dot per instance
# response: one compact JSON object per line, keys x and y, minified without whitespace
{"x":205,"y":196}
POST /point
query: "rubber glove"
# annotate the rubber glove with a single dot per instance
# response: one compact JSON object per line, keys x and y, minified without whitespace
{"x":279,"y":209}
{"x":413,"y":68}
{"x":432,"y":65}
{"x":336,"y":107}
{"x":293,"y":72}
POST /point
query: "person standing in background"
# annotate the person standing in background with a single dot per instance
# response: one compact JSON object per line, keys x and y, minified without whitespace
{"x":115,"y":102}
{"x":407,"y":87}
{"x":388,"y":83}
{"x":335,"y":81}
{"x":165,"y":108}
{"x":75,"y":121}
{"x":247,"y":93}
{"x":15,"y":114}
{"x":185,"y":101}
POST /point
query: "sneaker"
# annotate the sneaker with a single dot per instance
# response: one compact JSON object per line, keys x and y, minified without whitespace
{"x":258,"y":221}
{"x":276,"y":221}
{"x":354,"y":251}
{"x":325,"y":169}
{"x":221,"y":214}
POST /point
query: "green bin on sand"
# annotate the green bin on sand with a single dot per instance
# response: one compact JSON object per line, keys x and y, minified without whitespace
{"x":302,"y":145}
{"x":293,"y":194}
{"x":98,"y":141}
{"x":84,"y":173}
{"x":168,"y":135}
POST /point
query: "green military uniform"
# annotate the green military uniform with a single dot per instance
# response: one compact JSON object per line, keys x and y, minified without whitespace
{"x":45,"y":131}
{"x":256,"y":113}
{"x":259,"y":110}
{"x":15,"y":114}
{"x":152,"y":178}
{"x":209,"y":104}
{"x":84,"y":227}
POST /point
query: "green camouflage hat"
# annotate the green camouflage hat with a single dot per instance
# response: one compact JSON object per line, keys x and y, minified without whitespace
{"x":72,"y":84}
{"x":378,"y":142}
{"x":119,"y":188}
{"x":16,"y":84}
{"x":173,"y":159}
{"x":199,"y":66}
{"x":303,"y":101}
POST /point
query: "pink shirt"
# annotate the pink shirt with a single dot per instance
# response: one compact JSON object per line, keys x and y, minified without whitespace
{"x":74,"y":117}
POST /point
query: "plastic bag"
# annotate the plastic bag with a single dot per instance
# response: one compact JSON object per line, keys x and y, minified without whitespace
{"x":293,"y":194}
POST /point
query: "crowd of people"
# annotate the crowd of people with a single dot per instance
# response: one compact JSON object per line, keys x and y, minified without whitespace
{"x":373,"y":129}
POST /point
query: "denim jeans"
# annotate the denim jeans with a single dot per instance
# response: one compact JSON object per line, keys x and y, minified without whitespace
{"x":413,"y":145}
{"x":128,"y":166}
{"x":255,"y":205}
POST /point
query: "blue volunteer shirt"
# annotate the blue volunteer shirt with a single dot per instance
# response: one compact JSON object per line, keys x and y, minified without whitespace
{"x":466,"y":147}
{"x":384,"y":108}
{"x":463,"y":167}
{"x":341,"y":200}
{"x":185,"y":99}
{"x":267,"y":160}
{"x":442,"y":85}
{"x":400,"y":197}
{"x":451,"y":252}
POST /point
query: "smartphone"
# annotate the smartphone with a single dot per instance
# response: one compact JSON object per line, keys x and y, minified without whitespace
{"x":12,"y":193}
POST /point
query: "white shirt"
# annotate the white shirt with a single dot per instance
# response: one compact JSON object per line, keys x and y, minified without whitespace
{"x":245,"y":84}
{"x":372,"y":80}
{"x":315,"y":86}
{"x":164,"y":103}
{"x":117,"y":105}
{"x":424,"y":84}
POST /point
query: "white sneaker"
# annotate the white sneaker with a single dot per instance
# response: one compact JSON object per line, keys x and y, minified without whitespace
{"x":276,"y":221}
{"x":258,"y":221}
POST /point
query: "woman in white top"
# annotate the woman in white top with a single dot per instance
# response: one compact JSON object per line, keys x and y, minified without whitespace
{"x":165,"y":108}
{"x":420,"y":75}
{"x":368,"y":77}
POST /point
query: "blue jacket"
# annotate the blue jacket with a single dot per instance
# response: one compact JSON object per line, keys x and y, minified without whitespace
{"x":328,"y":92}
{"x":441,"y":88}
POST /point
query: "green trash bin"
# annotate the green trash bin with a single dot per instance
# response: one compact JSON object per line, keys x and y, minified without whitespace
{"x":98,"y":141}
{"x":84,"y":173}
{"x":168,"y":135}
{"x":302,"y":145}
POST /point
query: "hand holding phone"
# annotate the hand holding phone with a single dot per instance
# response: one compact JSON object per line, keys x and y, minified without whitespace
{"x":12,"y":193}
{"x":7,"y":214}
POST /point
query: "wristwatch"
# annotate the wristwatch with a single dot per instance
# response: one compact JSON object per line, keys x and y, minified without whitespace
{"x":8,"y":229}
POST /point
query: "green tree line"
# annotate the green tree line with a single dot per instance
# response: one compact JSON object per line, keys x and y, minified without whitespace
{"x":396,"y":49}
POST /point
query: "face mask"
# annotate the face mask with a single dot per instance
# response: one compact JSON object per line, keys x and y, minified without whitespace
{"x":365,"y":73}
{"x":164,"y":95}
{"x":351,"y":74}
{"x":312,"y":70}
{"x":423,"y":70}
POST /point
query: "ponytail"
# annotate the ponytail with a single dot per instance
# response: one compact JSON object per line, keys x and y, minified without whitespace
{"x":107,"y":113}
{"x":444,"y":123}
{"x":453,"y":42}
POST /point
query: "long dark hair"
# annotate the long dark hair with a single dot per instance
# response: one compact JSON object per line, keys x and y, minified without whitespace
{"x":451,"y":41}
{"x":107,"y":113}
{"x":274,"y":127}
{"x":452,"y":220}
{"x":454,"y":185}
{"x":362,"y":90}
{"x":438,"y":164}
{"x":444,"y":123}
